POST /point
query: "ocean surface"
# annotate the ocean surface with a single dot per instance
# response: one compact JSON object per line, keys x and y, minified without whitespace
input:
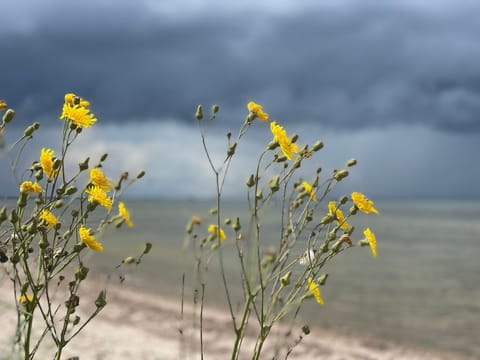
{"x":422,"y":289}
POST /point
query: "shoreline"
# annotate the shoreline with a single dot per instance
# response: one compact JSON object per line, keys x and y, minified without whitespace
{"x":145,"y":325}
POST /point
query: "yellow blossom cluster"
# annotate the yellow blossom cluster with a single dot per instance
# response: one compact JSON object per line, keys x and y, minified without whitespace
{"x":77,"y":111}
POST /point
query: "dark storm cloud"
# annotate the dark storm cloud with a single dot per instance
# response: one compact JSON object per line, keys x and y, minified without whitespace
{"x":351,"y":66}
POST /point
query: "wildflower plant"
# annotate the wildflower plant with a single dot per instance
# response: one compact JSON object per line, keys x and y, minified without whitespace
{"x":57,"y":222}
{"x":279,"y":272}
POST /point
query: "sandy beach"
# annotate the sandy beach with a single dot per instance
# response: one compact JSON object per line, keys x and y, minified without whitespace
{"x":140,"y":325}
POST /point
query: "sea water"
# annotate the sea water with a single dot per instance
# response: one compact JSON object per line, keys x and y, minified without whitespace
{"x":422,"y":289}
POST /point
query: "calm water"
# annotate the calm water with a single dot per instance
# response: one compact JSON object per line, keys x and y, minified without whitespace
{"x":422,"y":289}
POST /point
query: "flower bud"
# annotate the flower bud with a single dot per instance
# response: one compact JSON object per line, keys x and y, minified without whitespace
{"x":140,"y":174}
{"x":71,"y":190}
{"x":322,"y":279}
{"x":56,"y":164}
{"x":8,"y":116}
{"x":13,"y":218}
{"x":236,"y":225}
{"x":294,"y":138}
{"x":213,"y":211}
{"x":306,"y":329}
{"x":251,"y":181}
{"x":285,"y":279}
{"x":274,"y":183}
{"x":29,"y":130}
{"x":343,"y":200}
{"x":84,"y":165}
{"x":3,"y":257}
{"x":317,"y":145}
{"x":128,"y":260}
{"x":39,"y":175}
{"x":58,"y":204}
{"x":22,"y":200}
{"x":231,"y":149}
{"x":327,"y":219}
{"x":227,"y":221}
{"x":76,"y":320}
{"x":332,"y":235}
{"x":340,"y":174}
{"x":351,"y":162}
{"x":147,"y":248}
{"x":272,"y":145}
{"x":215,"y":108}
{"x":104,"y":157}
{"x":259,"y":194}
{"x":199,"y":113}
{"x":3,"y":215}
{"x":101,"y":300}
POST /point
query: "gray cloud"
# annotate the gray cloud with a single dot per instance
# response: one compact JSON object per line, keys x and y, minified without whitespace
{"x":347,"y":66}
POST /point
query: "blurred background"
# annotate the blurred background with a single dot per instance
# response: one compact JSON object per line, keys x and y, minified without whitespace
{"x":395,"y":84}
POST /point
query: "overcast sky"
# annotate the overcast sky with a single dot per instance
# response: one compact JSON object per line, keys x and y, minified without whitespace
{"x":395,"y":84}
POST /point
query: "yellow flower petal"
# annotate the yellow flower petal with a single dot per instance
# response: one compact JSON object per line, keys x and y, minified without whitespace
{"x":220,"y":233}
{"x":97,"y":178}
{"x":280,"y":136}
{"x":97,"y":194}
{"x":372,"y":240}
{"x":309,"y":190}
{"x":49,"y":218}
{"x":29,"y":187}
{"x":89,"y":239}
{"x":122,"y":210}
{"x":46,"y":160}
{"x":315,"y":291}
{"x":363,"y":203}
{"x":257,"y":110}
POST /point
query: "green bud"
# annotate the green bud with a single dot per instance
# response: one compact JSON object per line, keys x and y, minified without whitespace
{"x":199,"y":113}
{"x":336,"y":247}
{"x":101,"y":300}
{"x":74,"y":213}
{"x":58,"y":204}
{"x":22,"y":200}
{"x":353,"y":210}
{"x":29,"y":130}
{"x":3,"y":214}
{"x":343,"y":200}
{"x":215,"y":109}
{"x":363,"y":242}
{"x":61,"y":190}
{"x":251,"y":181}
{"x":350,"y":230}
{"x":272,"y":145}
{"x":297,"y":163}
{"x":274,"y":183}
{"x":322,"y":279}
{"x":327,"y":219}
{"x":8,"y":116}
{"x":56,"y":164}
{"x":231,"y":149}
{"x":259,"y":194}
{"x":317,"y":146}
{"x":84,"y":165}
{"x":79,"y":247}
{"x":294,"y":138}
{"x":227,"y":221}
{"x":43,"y":242}
{"x":71,"y":190}
{"x":104,"y":157}
{"x":15,"y":259}
{"x":147,"y":248}
{"x":76,"y":320}
{"x":129,"y":260}
{"x":81,"y":273}
{"x":13,"y":218}
{"x":32,"y":228}
{"x":140,"y":174}
{"x":351,"y":162}
{"x":39,"y":175}
{"x":340,"y":174}
{"x":331,"y":235}
{"x":236,"y":225}
{"x":324,"y":247}
{"x":285,"y":279}
{"x":306,"y":329}
{"x":213,"y":211}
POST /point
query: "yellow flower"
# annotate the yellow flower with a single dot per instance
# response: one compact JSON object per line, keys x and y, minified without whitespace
{"x":332,"y":208}
{"x":97,"y":178}
{"x":3,"y":104}
{"x":372,"y":240}
{"x":70,"y":100}
{"x":89,"y":239}
{"x":79,"y":115}
{"x":48,"y":217}
{"x":218,"y":232}
{"x":257,"y":111}
{"x":280,"y":136}
{"x":309,"y":190}
{"x":122,"y":210}
{"x":315,"y":291}
{"x":29,"y":187}
{"x":46,"y":160}
{"x":363,"y":203}
{"x":25,"y":299}
{"x":97,"y":194}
